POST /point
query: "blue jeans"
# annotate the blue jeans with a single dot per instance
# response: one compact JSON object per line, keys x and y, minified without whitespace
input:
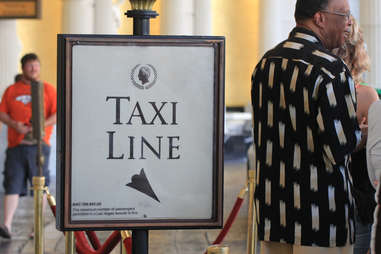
{"x":363,"y":234}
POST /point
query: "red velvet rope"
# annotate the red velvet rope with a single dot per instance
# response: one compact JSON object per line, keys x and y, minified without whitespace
{"x":83,"y":246}
{"x":128,"y":245}
{"x":233,"y":214}
{"x":229,"y":221}
{"x":53,"y":208}
{"x":92,"y":236}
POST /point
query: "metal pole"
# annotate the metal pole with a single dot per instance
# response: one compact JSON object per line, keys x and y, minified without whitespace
{"x":251,"y":223}
{"x":141,"y":20}
{"x":141,"y":26}
{"x":69,"y":243}
{"x":140,"y":242}
{"x":37,"y":92}
{"x":38,"y":121}
{"x":122,"y":249}
{"x":141,"y":13}
{"x":38,"y":186}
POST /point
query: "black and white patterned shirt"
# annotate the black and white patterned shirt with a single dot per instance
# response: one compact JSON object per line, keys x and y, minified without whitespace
{"x":305,"y":129}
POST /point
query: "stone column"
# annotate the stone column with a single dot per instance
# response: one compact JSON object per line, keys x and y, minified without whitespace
{"x":287,"y":18}
{"x":10,"y":49}
{"x":177,"y":17}
{"x":104,"y":18}
{"x":203,"y":17}
{"x":370,"y":21}
{"x":270,"y":27}
{"x":355,"y":8}
{"x":78,"y":16}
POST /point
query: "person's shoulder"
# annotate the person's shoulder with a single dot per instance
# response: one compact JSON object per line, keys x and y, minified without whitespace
{"x":277,"y":51}
{"x":326,"y":59}
{"x":323,"y":61}
{"x":367,"y":91}
{"x":49,"y":86}
{"x":50,"y":91}
{"x":330,"y":66}
{"x":13,"y":86}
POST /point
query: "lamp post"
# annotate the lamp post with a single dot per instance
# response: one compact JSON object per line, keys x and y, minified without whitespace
{"x":141,"y":13}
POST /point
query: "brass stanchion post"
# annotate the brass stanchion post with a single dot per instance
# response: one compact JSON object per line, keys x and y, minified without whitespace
{"x":69,"y":243}
{"x":217,"y":249}
{"x":38,"y":187}
{"x":38,"y":123}
{"x":251,"y":223}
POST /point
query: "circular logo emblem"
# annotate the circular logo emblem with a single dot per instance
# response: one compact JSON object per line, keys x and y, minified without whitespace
{"x":143,"y":76}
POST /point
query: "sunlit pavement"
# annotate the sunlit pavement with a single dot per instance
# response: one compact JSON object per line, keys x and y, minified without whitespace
{"x":160,"y":242}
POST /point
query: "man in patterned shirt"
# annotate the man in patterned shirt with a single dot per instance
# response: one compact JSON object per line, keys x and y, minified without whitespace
{"x":305,"y":129}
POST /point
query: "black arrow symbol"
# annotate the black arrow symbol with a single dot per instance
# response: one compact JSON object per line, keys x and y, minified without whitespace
{"x":141,"y":183}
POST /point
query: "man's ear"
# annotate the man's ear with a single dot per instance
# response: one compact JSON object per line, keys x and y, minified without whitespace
{"x":319,"y":19}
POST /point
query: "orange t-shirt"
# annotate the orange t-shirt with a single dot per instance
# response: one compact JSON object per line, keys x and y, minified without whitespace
{"x":17,"y":103}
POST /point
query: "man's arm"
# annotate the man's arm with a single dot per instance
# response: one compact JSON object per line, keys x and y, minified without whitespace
{"x":51,"y":94}
{"x":339,"y":130}
{"x":51,"y":120}
{"x":18,"y":126}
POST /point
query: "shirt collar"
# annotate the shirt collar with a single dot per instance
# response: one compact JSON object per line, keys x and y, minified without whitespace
{"x":305,"y":34}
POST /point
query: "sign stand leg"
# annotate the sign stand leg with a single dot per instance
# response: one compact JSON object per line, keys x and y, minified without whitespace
{"x":140,"y":242}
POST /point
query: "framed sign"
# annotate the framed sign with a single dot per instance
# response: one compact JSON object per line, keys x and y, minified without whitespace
{"x":11,"y":9}
{"x":140,"y":132}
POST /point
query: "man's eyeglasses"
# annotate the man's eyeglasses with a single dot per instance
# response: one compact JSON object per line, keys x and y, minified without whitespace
{"x":342,"y":14}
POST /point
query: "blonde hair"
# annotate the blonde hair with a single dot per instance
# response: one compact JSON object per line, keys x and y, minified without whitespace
{"x":354,"y":52}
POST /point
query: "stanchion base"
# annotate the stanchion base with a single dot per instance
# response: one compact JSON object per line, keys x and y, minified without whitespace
{"x":218,"y":249}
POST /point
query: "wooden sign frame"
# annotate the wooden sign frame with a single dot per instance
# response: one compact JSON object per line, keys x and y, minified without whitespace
{"x":68,"y":84}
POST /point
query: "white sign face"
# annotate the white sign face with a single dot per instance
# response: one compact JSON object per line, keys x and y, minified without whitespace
{"x":142,"y":132}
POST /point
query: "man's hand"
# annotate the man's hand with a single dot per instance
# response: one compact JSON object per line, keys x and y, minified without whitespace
{"x":22,"y":128}
{"x":18,"y":126}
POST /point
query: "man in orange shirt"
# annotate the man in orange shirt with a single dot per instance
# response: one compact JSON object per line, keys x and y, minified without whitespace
{"x":16,"y":113}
